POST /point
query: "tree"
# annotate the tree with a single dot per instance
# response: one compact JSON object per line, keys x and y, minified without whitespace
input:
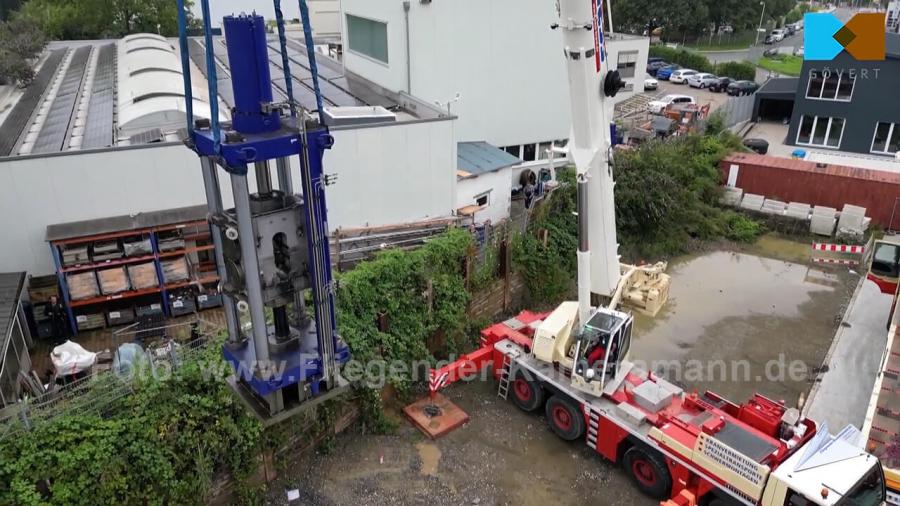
{"x":21,"y":41}
{"x":95,"y":19}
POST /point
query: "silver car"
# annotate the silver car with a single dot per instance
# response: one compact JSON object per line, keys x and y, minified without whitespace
{"x":702,"y":80}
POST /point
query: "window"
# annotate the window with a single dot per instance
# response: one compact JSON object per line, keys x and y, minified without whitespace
{"x":820,"y":131}
{"x":831,"y":86}
{"x":367,"y":37}
{"x":528,"y":153}
{"x":542,"y":150}
{"x":483,"y":199}
{"x":627,"y":63}
{"x":887,"y":138}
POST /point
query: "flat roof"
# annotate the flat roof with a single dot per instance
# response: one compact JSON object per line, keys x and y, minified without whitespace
{"x":475,"y":158}
{"x":109,"y":93}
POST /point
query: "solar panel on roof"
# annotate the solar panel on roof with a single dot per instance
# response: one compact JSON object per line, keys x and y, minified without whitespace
{"x":20,"y":115}
{"x":53,"y":132}
{"x":98,"y":130}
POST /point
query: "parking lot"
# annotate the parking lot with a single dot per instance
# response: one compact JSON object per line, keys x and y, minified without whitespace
{"x":702,"y":97}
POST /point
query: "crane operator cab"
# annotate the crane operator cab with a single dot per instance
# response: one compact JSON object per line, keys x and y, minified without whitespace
{"x":600,"y":348}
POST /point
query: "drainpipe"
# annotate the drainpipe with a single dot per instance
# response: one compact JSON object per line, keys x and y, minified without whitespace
{"x":408,"y":50}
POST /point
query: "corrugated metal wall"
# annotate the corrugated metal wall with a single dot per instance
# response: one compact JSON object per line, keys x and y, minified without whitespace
{"x":829,"y":185}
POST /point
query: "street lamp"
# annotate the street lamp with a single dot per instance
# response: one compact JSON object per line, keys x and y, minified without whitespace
{"x":763,"y":13}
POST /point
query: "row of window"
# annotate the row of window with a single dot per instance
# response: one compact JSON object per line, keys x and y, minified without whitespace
{"x":537,"y":151}
{"x":831,"y":86}
{"x":826,"y":132}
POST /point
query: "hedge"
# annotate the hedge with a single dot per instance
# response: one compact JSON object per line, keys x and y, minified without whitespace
{"x":696,"y":61}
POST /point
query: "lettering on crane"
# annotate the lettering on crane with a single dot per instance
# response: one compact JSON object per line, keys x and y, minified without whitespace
{"x":731,"y":459}
{"x":599,"y":42}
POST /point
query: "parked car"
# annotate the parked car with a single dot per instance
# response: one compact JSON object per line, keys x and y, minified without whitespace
{"x":665,"y":73}
{"x":654,"y":66}
{"x":658,"y":106}
{"x":720,"y":84}
{"x":681,"y":76}
{"x":702,"y":80}
{"x":739,"y":88}
{"x":650,"y":84}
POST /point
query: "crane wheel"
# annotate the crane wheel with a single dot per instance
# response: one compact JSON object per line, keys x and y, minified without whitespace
{"x":527,"y":393}
{"x":566,"y":420}
{"x":649,"y":472}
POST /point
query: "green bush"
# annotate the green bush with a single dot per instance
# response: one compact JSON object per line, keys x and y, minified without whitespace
{"x":742,"y":71}
{"x":162,"y":445}
{"x":683,"y":57}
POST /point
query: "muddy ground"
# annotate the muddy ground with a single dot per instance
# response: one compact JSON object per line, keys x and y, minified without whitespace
{"x":762,"y":304}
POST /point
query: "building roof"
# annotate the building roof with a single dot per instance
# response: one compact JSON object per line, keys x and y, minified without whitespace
{"x":475,"y":158}
{"x":11,"y":284}
{"x":107,"y":93}
{"x":779,"y":88}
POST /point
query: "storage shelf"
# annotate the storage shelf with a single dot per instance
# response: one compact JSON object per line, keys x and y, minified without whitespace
{"x":118,"y":296}
{"x":185,"y":251}
{"x":182,"y":284}
{"x":109,"y":263}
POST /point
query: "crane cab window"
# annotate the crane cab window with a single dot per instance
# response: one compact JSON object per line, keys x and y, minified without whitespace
{"x":886,"y":260}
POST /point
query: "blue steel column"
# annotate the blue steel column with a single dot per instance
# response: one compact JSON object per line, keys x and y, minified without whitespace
{"x":317,"y":141}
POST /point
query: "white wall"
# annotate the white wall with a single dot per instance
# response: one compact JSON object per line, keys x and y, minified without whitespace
{"x":498,"y":183}
{"x":386,"y":175}
{"x":500,"y":55}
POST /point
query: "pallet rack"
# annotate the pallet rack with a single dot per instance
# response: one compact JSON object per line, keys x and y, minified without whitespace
{"x":174,"y":234}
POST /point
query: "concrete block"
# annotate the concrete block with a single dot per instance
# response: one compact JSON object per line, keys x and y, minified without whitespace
{"x":776,"y":207}
{"x":798,"y":210}
{"x":652,"y":397}
{"x":752,"y":202}
{"x":732,"y":197}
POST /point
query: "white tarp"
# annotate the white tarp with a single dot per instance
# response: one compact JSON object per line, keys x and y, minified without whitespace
{"x":70,"y":358}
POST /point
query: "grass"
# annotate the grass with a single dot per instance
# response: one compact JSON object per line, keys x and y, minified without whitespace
{"x":789,"y":65}
{"x":724,"y":42}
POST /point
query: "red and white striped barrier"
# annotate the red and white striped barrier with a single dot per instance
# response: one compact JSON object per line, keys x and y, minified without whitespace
{"x":838,"y":261}
{"x":839,"y":248}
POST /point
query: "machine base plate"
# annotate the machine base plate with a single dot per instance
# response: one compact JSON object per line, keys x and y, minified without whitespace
{"x":449,"y":416}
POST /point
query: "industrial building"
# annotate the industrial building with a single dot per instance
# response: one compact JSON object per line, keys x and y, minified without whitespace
{"x":97,"y":136}
{"x":495,"y":65}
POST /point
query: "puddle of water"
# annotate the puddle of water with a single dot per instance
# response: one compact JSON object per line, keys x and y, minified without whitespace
{"x":430,"y":456}
{"x":736,"y":322}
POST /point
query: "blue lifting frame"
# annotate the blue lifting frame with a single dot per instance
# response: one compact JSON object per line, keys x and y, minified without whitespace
{"x":293,"y":135}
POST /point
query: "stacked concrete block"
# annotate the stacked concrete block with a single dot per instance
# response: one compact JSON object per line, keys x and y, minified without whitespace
{"x":774,"y":207}
{"x":732,"y":197}
{"x":823,"y":220}
{"x":752,"y":202}
{"x":798,"y":211}
{"x":853,"y":222}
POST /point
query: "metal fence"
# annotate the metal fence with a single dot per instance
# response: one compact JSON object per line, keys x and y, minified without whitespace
{"x":736,"y":110}
{"x":100,"y":393}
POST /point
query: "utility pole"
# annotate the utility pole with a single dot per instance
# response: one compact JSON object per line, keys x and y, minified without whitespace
{"x":763,"y":13}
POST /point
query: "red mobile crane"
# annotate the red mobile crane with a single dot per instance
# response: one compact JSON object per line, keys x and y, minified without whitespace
{"x":680,"y":448}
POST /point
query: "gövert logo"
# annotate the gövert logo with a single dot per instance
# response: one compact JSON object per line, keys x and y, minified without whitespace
{"x":825,"y":36}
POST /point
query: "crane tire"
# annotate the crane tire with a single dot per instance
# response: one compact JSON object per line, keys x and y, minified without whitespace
{"x":564,"y":418}
{"x":526,"y":393}
{"x":648,"y":471}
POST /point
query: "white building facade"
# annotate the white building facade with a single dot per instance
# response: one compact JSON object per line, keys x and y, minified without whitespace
{"x":499,"y":57}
